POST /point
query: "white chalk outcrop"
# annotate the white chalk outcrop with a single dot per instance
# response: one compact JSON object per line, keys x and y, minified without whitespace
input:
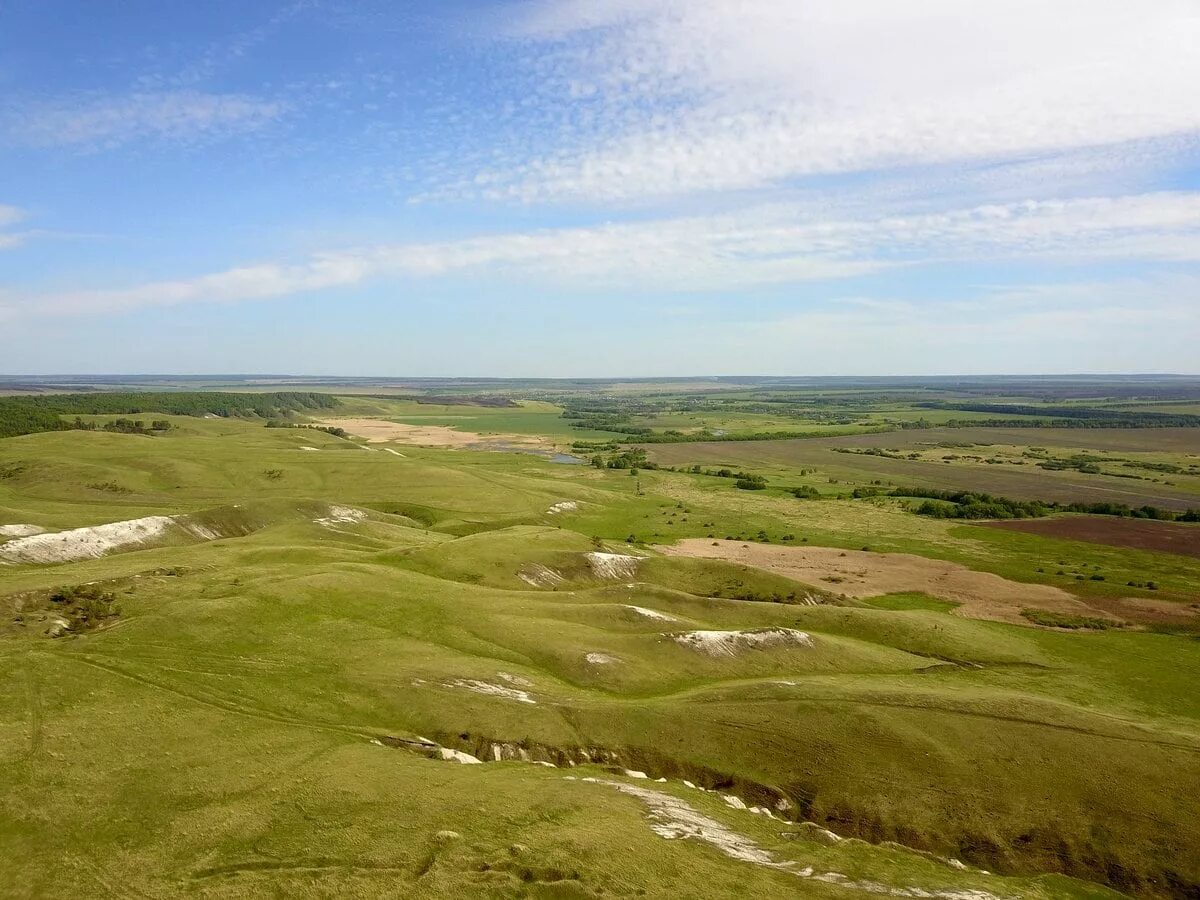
{"x":732,"y":643}
{"x":97,"y":540}
{"x":19,"y":531}
{"x":613,"y":565}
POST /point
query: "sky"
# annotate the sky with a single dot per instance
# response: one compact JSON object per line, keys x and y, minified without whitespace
{"x":526,"y":188}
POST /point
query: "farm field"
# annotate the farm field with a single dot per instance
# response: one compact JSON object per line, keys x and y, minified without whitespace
{"x":244,"y":660}
{"x":524,"y":419}
{"x":998,"y":461}
{"x":1164,"y":536}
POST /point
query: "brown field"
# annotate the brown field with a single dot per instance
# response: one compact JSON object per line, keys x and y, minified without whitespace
{"x":378,"y":431}
{"x":1144,"y":534}
{"x":1064,"y":487}
{"x":858,"y":573}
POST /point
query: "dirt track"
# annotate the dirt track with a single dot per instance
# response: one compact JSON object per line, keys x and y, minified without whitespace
{"x":858,"y":573}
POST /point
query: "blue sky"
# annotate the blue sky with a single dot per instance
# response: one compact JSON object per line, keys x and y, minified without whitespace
{"x":609,"y":187}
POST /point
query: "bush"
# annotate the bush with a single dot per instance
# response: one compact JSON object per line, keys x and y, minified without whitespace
{"x":1066,"y":620}
{"x":972,"y":505}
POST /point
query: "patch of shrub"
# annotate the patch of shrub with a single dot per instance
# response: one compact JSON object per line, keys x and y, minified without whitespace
{"x":751,"y":482}
{"x":85,"y":606}
{"x":1066,"y":620}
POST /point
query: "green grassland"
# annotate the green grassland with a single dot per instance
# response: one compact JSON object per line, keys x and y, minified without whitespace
{"x":250,"y":717}
{"x":531,"y":417}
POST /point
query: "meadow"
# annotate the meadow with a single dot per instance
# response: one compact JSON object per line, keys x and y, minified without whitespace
{"x":281,"y":686}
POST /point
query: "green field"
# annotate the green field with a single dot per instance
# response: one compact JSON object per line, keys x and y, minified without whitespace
{"x":251,"y":700}
{"x":1000,"y":461}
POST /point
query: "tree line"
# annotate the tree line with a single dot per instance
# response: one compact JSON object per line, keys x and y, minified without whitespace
{"x":121,"y":426}
{"x":44,"y":412}
{"x":1065,"y":416}
{"x":977,"y":505}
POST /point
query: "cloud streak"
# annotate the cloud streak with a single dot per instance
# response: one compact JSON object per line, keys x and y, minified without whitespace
{"x":10,"y":215}
{"x":104,"y":122}
{"x":779,"y":244}
{"x":687,"y":96}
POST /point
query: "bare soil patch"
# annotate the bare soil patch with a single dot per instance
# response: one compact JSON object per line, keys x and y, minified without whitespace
{"x":1142,"y":534}
{"x":1151,"y":610}
{"x":858,"y":573}
{"x":378,"y":431}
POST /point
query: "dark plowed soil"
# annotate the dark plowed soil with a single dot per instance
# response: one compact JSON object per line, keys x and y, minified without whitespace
{"x":1144,"y":534}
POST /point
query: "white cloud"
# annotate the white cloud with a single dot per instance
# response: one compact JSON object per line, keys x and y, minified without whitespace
{"x":704,"y":95}
{"x":1079,"y":327}
{"x":779,"y":244}
{"x":109,"y":121}
{"x":10,"y":215}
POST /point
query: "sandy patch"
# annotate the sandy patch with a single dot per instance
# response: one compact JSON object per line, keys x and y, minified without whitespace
{"x":95,"y":541}
{"x":601,"y":659}
{"x":562,"y":507}
{"x":673,"y":819}
{"x":858,"y":573}
{"x":613,"y":565}
{"x":676,"y":819}
{"x":652,"y":614}
{"x":514,"y":679}
{"x":537,"y":575}
{"x":731,"y":643}
{"x":312,"y":449}
{"x":377,"y":431}
{"x":395,"y":452}
{"x":457,"y":756}
{"x":493,"y":690}
{"x":18,"y":531}
{"x":340,"y":515}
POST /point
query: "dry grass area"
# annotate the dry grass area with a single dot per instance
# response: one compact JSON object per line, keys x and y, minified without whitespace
{"x":378,"y":431}
{"x":858,"y":573}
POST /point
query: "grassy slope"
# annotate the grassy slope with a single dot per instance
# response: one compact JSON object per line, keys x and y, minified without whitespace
{"x":216,"y":738}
